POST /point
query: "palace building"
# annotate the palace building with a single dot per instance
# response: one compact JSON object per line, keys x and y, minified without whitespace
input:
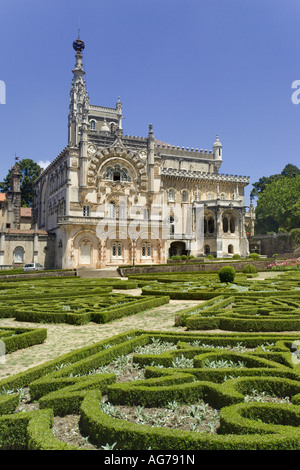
{"x":109,"y":198}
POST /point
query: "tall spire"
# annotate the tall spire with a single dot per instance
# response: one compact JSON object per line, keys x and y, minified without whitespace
{"x":79,"y":100}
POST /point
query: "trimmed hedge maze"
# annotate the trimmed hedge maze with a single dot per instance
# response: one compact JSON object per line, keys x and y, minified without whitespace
{"x":72,"y":301}
{"x":204,"y":287}
{"x":20,"y":338}
{"x":244,"y":313}
{"x":161,"y":391}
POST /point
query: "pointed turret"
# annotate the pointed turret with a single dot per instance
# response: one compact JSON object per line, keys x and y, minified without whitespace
{"x":217,"y":149}
{"x":79,"y":100}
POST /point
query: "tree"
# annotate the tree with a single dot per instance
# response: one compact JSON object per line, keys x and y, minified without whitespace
{"x":278,"y":205}
{"x":289,"y":171}
{"x":29,"y":172}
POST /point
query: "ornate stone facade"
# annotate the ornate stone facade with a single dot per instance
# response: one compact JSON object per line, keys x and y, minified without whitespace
{"x":114,"y":199}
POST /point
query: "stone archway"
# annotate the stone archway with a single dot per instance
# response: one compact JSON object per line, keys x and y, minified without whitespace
{"x":85,"y":250}
{"x":177,"y":249}
{"x":85,"y":253}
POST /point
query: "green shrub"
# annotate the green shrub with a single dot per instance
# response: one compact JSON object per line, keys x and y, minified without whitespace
{"x":249,"y":268}
{"x":236,"y":256}
{"x":184,"y":257}
{"x":210,"y":257}
{"x":227,"y":274}
{"x":254,"y":256}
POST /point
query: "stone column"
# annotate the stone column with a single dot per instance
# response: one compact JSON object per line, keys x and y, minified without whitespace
{"x":150,"y":159}
{"x":219,"y":240}
{"x":83,"y":156}
{"x":35,"y":245}
{"x":2,"y":245}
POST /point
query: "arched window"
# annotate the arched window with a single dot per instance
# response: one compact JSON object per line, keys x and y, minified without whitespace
{"x":112,"y":212}
{"x":171,"y":195}
{"x":116,"y":250}
{"x":207,"y":249}
{"x":185,"y":196}
{"x":116,"y":174}
{"x":146,"y":250}
{"x":92,"y":124}
{"x":230,"y":248}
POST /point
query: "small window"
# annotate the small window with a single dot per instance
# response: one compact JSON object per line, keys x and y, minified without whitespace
{"x":171,"y":195}
{"x":146,"y":250}
{"x":112,"y":210}
{"x":185,"y":196}
{"x":146,"y":214}
{"x":122,"y":211}
{"x":86,"y":211}
{"x":92,"y":125}
{"x":172,"y":225}
{"x":117,"y":250}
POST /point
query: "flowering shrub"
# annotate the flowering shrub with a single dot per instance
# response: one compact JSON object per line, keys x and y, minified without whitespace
{"x":286,"y":265}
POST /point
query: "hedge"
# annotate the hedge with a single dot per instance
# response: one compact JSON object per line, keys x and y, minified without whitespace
{"x":70,"y":385}
{"x":20,"y":338}
{"x":128,"y":305}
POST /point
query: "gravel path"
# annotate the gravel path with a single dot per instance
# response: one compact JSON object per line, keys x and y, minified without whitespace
{"x":63,"y":338}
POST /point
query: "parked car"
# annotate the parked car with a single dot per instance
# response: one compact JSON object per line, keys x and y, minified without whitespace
{"x":33,"y":267}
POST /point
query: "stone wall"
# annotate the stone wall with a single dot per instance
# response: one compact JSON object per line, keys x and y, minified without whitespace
{"x":277,"y":243}
{"x":40,"y":274}
{"x":178,"y":268}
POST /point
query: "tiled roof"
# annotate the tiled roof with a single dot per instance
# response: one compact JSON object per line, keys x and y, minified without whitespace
{"x":25,"y":211}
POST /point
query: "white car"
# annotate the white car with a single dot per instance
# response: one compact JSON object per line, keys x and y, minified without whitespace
{"x":33,"y":267}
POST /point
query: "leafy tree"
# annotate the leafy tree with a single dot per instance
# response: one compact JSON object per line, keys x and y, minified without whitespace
{"x":289,"y":171}
{"x":29,"y":172}
{"x":278,"y":205}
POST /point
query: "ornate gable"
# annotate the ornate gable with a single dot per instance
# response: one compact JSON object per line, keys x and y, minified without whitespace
{"x":116,"y":154}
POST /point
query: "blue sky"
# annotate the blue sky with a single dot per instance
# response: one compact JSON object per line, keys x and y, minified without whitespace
{"x":192,"y":68}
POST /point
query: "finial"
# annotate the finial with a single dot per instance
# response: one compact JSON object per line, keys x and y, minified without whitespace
{"x":78,"y":45}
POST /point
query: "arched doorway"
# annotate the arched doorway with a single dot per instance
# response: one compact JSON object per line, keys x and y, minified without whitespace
{"x":177,"y":249}
{"x":85,"y":253}
{"x":18,"y":255}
